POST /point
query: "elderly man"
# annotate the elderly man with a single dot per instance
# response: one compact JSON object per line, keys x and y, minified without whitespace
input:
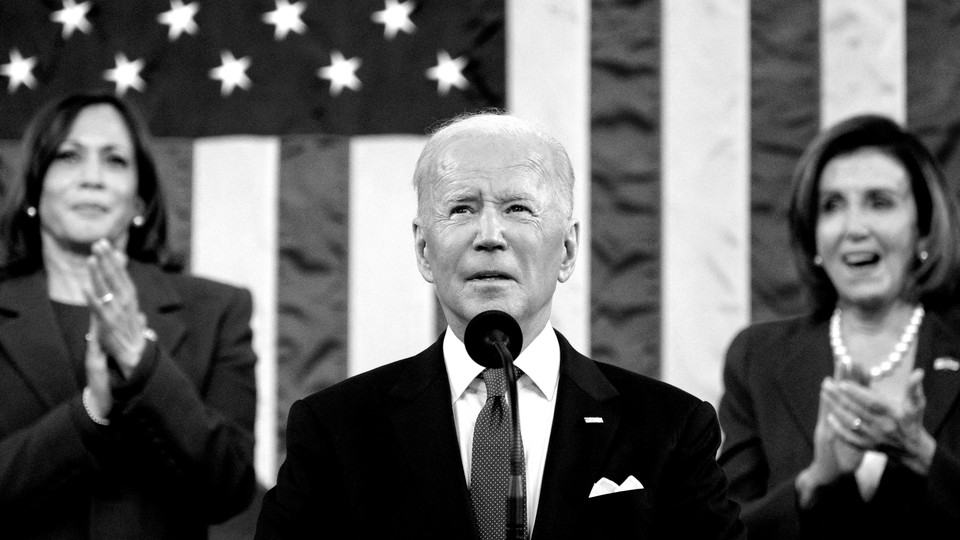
{"x":399,"y":452}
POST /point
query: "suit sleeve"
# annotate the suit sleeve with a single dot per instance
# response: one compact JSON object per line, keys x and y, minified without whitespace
{"x":306,"y":497}
{"x":700,"y":505}
{"x":769,"y":512}
{"x":197,"y":442}
{"x":52,"y":459}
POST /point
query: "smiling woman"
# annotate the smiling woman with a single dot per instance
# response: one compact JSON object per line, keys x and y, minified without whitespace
{"x":127,"y":391}
{"x":843,"y":423}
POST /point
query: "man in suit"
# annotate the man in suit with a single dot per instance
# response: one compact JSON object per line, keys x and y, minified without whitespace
{"x":607,"y":453}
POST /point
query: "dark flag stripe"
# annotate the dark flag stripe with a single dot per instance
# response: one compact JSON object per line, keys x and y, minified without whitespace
{"x":625,"y":190}
{"x":784,"y":117}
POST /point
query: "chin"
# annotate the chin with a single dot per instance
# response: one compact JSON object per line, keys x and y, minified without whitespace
{"x":870,"y":301}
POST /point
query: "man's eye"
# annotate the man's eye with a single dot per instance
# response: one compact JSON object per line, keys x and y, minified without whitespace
{"x":462,"y":209}
{"x":518,"y":208}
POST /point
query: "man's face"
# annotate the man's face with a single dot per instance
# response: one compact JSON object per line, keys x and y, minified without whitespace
{"x":493,"y":235}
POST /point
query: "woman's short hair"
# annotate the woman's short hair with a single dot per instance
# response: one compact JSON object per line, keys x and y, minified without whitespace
{"x":930,"y":280}
{"x":20,"y":231}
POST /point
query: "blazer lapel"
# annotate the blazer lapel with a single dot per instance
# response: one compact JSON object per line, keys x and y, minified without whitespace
{"x":808,"y":359}
{"x":938,"y":339}
{"x":422,"y":415}
{"x":160,"y":303}
{"x":577,"y":449}
{"x":31,"y":337}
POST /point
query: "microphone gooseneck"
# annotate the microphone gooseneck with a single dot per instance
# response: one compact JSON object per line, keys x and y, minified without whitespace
{"x":493,"y":339}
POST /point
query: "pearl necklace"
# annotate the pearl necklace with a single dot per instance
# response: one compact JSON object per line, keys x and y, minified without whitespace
{"x":892,"y":361}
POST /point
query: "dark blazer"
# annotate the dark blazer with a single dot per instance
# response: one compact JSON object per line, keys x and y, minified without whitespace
{"x":178,"y":453}
{"x":768,"y":413}
{"x":376,"y":456}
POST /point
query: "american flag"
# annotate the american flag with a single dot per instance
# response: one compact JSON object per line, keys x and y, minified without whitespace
{"x":287,"y":132}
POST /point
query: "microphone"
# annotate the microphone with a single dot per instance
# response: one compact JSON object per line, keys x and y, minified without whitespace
{"x":493,"y":339}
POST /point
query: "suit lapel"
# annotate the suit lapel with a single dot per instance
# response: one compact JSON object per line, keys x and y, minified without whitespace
{"x":160,"y":303}
{"x":807,"y":360}
{"x":938,"y":339}
{"x":422,"y":416}
{"x":31,"y":337}
{"x":577,"y":449}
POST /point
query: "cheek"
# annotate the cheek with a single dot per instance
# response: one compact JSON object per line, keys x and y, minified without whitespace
{"x":826,"y":234}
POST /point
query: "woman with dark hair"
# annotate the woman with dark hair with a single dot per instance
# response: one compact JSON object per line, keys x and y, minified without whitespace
{"x":127,"y":392}
{"x":845,"y":423}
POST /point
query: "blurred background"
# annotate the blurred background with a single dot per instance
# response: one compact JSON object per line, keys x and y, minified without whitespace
{"x":287,"y":132}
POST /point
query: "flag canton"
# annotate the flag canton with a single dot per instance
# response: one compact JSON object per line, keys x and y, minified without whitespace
{"x":216,"y":67}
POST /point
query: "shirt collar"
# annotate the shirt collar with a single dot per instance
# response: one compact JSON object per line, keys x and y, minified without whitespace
{"x":540,"y":363}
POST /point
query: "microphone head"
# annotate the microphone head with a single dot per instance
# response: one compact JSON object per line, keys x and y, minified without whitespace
{"x":483,"y":332}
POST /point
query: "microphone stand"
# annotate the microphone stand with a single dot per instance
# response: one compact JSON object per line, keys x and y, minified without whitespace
{"x":515,"y":499}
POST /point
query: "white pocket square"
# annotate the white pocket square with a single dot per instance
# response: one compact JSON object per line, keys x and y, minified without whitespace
{"x":945,"y":362}
{"x":604,"y":486}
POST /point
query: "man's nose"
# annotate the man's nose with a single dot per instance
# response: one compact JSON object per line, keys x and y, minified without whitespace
{"x":489,"y":230}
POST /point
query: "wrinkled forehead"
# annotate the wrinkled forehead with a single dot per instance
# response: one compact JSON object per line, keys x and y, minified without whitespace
{"x":488,"y":156}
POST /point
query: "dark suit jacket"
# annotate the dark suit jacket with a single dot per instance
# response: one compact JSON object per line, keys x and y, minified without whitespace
{"x":179,"y":451}
{"x":768,"y":413}
{"x":376,"y":456}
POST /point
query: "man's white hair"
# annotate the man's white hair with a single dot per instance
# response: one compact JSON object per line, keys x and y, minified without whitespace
{"x":494,"y":123}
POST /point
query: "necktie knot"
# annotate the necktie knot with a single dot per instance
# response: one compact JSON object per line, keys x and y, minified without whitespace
{"x":496,"y":385}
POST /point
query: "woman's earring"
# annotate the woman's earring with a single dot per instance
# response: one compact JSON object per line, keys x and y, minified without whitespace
{"x":138,"y":220}
{"x":923,"y":255}
{"x":32,"y":211}
{"x":817,"y":260}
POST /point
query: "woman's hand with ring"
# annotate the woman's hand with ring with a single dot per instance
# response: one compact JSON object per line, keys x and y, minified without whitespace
{"x":112,"y":297}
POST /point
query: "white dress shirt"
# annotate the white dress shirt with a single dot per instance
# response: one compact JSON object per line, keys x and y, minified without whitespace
{"x":536,"y":392}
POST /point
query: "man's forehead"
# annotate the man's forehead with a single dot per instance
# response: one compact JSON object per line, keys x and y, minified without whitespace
{"x":482,"y":156}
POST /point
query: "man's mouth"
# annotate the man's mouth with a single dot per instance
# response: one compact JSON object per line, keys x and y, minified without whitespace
{"x":488,"y":276}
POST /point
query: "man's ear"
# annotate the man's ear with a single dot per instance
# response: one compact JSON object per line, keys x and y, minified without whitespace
{"x":422,"y":251}
{"x":571,"y":244}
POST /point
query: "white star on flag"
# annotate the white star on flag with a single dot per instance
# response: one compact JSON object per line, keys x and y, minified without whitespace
{"x":231,"y":73}
{"x":448,"y":72}
{"x":20,"y":71}
{"x":126,"y":75}
{"x":73,"y":16}
{"x":395,"y":16}
{"x":286,"y":18}
{"x":341,"y":73}
{"x":179,"y":19}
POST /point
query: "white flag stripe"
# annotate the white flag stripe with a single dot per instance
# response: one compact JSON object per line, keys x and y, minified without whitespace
{"x":548,"y":82}
{"x":705,"y":189}
{"x":863,"y":59}
{"x":234,"y":239}
{"x":391,"y":309}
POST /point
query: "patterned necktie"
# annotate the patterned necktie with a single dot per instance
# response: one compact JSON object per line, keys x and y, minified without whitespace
{"x":490,"y":469}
